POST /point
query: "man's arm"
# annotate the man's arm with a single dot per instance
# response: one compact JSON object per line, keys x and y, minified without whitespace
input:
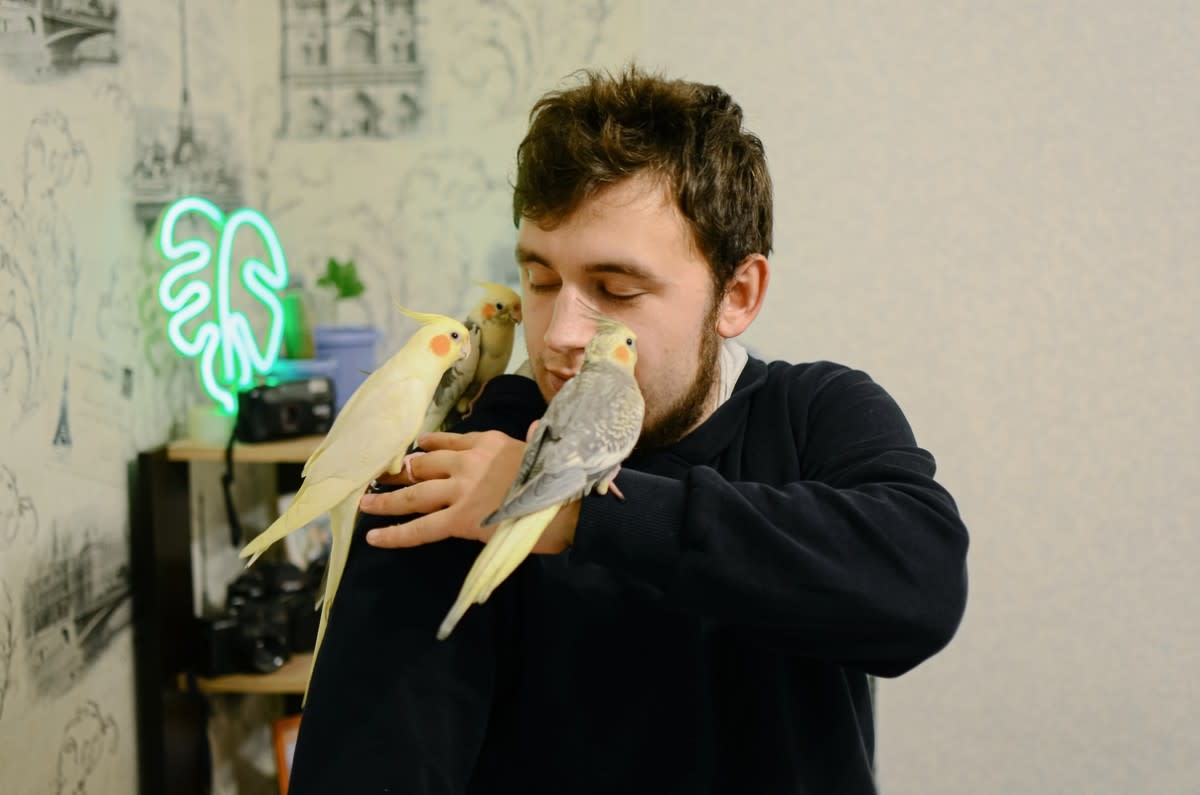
{"x":861,"y":560}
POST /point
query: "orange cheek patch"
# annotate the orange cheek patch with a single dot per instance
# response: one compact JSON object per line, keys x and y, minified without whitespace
{"x":440,"y":345}
{"x":488,"y":311}
{"x":621,"y":354}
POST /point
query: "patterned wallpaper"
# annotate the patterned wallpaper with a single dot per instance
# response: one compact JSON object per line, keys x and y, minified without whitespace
{"x":379,"y":130}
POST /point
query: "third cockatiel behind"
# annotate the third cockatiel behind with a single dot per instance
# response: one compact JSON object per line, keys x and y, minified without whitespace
{"x":492,"y":323}
{"x":589,"y":428}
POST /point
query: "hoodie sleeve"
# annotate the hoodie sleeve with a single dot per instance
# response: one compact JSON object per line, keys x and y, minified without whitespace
{"x":859,"y":557}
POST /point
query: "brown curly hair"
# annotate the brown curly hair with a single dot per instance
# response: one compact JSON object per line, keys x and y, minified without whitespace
{"x":607,"y":128}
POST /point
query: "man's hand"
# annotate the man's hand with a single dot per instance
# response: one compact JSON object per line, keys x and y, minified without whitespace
{"x":456,"y":484}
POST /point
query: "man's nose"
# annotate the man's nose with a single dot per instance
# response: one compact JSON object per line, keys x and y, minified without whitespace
{"x":570,"y":327}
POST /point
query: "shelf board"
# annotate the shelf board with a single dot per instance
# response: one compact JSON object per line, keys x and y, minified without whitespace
{"x":288,"y":451}
{"x":291,"y":678}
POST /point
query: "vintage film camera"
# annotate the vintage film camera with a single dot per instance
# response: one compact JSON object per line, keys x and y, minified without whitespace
{"x":282,"y":411}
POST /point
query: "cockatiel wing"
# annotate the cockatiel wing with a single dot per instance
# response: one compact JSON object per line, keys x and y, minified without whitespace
{"x":353,"y":453}
{"x":374,"y":427}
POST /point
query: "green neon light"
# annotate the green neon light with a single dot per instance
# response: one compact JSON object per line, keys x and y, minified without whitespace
{"x":228,"y":356}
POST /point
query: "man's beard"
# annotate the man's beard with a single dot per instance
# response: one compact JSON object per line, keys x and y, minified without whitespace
{"x":689,"y":409}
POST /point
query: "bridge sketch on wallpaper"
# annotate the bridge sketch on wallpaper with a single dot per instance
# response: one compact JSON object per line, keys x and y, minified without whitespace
{"x":177,"y":153}
{"x":40,"y":38}
{"x":18,"y":515}
{"x":351,"y":68}
{"x":87,"y":738}
{"x":8,"y":643}
{"x":77,"y":598}
{"x":39,"y":270}
{"x":505,"y":53}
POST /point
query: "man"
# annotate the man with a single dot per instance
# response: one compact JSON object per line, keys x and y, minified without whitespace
{"x":781,"y":537}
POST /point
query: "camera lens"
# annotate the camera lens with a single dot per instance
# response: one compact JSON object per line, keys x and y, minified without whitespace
{"x":289,"y":417}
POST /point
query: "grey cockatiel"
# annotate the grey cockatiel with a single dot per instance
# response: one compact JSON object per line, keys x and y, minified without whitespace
{"x":589,"y":428}
{"x":492,"y":324}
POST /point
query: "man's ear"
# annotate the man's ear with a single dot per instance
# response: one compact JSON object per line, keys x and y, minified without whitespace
{"x":743,"y":296}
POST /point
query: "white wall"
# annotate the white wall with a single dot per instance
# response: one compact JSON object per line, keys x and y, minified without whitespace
{"x":992,"y":208}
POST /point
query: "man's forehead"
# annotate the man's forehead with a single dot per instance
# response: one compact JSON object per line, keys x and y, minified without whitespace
{"x":628,"y":268}
{"x":626,"y":230}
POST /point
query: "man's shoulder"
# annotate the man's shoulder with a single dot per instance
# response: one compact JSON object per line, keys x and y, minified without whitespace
{"x":834,"y":398}
{"x":811,"y":379}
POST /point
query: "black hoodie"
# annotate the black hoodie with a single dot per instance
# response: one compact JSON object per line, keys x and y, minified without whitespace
{"x":713,"y":633}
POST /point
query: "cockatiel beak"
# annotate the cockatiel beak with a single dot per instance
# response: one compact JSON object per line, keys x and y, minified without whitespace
{"x":515,"y":311}
{"x":466,"y":349}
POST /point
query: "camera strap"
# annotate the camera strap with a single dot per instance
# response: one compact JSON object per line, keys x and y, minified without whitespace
{"x":235,"y":525}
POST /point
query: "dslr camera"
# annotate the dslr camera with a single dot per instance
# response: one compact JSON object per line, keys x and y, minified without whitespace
{"x":269,"y":616}
{"x":282,"y":411}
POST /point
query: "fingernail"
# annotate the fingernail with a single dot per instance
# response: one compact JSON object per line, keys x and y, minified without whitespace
{"x":367,"y":501}
{"x":372,"y":536}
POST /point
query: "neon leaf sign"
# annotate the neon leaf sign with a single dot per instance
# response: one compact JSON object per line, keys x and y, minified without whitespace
{"x":224,"y":345}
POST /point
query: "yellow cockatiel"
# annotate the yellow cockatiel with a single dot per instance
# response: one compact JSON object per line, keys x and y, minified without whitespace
{"x":370,"y":436}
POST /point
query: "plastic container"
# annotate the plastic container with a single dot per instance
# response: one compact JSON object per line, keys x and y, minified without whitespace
{"x":353,"y":348}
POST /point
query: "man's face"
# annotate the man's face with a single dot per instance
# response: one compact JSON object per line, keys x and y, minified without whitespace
{"x":628,"y":252}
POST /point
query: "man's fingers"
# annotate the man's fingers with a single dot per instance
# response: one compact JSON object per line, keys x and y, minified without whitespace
{"x":529,"y":433}
{"x":420,"y":466}
{"x":404,"y":477}
{"x":433,"y":465}
{"x":422,"y":530}
{"x":442,"y":440}
{"x":424,"y":497}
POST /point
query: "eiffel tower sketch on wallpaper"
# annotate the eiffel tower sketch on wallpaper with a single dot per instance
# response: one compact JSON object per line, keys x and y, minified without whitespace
{"x":62,"y":433}
{"x":181,"y":152}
